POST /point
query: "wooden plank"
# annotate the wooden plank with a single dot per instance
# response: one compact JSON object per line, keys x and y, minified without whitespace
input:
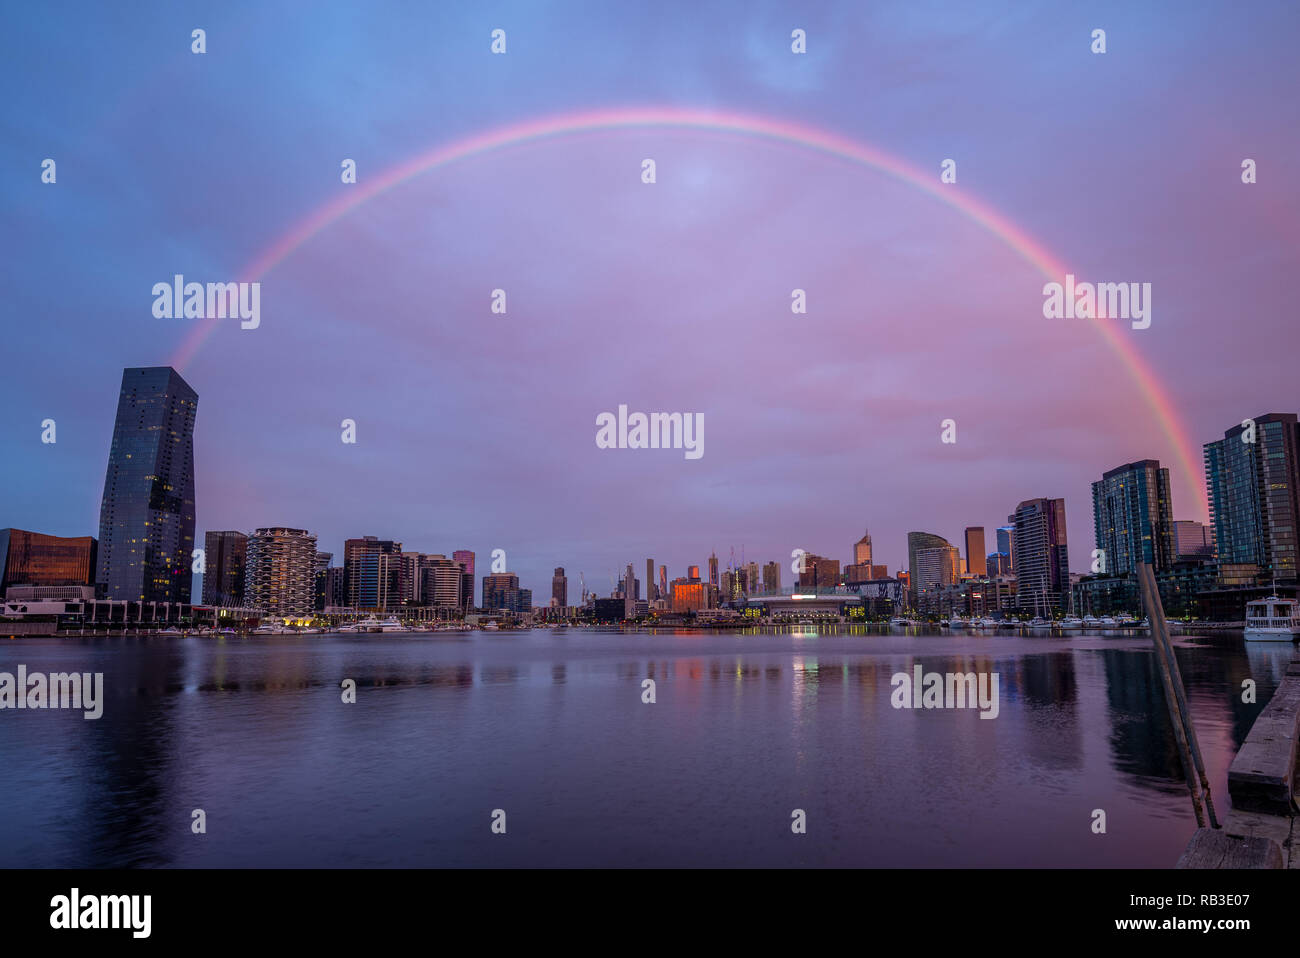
{"x":1214,"y":849}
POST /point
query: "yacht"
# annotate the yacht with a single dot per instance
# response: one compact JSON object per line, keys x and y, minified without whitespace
{"x":1038,"y":623}
{"x":491,"y":627}
{"x":1091,"y":622}
{"x":989,"y":623}
{"x":272,"y":628}
{"x":1272,"y":620}
{"x":391,"y":624}
{"x":957,"y":622}
{"x":1107,"y":622}
{"x":1071,"y":623}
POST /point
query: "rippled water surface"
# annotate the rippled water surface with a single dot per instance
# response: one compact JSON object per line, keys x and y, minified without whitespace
{"x":550,"y":727}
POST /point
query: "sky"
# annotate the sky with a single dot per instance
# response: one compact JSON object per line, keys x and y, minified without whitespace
{"x":477,"y":430}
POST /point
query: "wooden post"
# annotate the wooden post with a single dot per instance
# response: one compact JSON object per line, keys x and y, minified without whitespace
{"x":1175,"y":698}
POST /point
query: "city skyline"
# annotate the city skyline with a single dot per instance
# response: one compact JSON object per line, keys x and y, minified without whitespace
{"x":674,"y":295}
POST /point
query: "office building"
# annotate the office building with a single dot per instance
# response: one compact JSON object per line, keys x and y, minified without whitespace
{"x":1193,"y":541}
{"x":862,"y":551}
{"x":976,"y":557}
{"x":559,"y":587}
{"x":372,"y":567}
{"x":466,"y":560}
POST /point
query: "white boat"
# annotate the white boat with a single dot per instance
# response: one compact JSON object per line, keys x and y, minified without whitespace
{"x":171,"y":631}
{"x":988,"y":623}
{"x":1091,"y":622}
{"x":1071,"y":623}
{"x":272,"y":628}
{"x":1126,"y":621}
{"x":1107,"y":622}
{"x":310,"y":630}
{"x":391,"y":624}
{"x":1272,"y":620}
{"x":351,"y":628}
{"x":491,"y":627}
{"x":898,"y":620}
{"x":1038,"y":623}
{"x":957,"y":622}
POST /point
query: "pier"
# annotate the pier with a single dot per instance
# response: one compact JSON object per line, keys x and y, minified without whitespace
{"x":1260,"y":830}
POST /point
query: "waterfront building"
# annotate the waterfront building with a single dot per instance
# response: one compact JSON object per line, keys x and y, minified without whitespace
{"x":560,"y":587}
{"x":916,"y":542}
{"x":33,"y":558}
{"x":1254,"y":492}
{"x":146,"y":516}
{"x":372,"y":568}
{"x":713,"y":569}
{"x":441,"y":582}
{"x":501,"y":593}
{"x":650,"y":580}
{"x":225,"y":555}
{"x":280,"y":578}
{"x":1041,"y":556}
{"x":1133,"y":517}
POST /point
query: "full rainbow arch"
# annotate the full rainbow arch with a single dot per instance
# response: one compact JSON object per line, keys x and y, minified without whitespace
{"x":822,"y":141}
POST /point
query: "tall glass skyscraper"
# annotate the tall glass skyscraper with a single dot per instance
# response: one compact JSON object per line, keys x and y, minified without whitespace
{"x":146,"y":518}
{"x":1133,"y":518}
{"x":1254,"y":490}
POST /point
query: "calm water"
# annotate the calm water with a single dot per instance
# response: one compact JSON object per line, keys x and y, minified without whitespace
{"x":550,"y":727}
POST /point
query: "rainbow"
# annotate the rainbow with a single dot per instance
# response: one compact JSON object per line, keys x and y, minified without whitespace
{"x":831,"y":144}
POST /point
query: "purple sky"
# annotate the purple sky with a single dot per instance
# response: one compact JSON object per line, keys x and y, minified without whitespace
{"x":477,"y":431}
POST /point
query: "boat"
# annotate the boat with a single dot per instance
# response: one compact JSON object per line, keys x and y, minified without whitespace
{"x":1071,"y":623}
{"x":1272,"y":619}
{"x":957,"y":622}
{"x":491,"y":627}
{"x":1107,"y":622}
{"x":391,"y":624}
{"x":272,"y":628}
{"x":171,"y":631}
{"x":1038,"y":622}
{"x":898,"y":620}
{"x":989,"y":623}
{"x":1091,"y":622}
{"x":351,"y":628}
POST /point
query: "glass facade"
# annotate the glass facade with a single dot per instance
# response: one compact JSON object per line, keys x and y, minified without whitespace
{"x":31,"y":558}
{"x":1133,"y":518}
{"x":1253,"y":489}
{"x":146,"y":518}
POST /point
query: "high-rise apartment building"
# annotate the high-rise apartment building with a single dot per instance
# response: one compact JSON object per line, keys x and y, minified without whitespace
{"x":976,"y":557}
{"x":559,"y":587}
{"x":280,"y":578}
{"x":1253,"y":478}
{"x":1133,"y":518}
{"x":1042,"y":561}
{"x":372,"y":567}
{"x":146,"y":516}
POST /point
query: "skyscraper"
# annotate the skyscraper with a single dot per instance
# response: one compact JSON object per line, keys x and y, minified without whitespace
{"x":1041,"y":555}
{"x":772,"y":578}
{"x":713,"y":569}
{"x":146,"y":518}
{"x":1254,"y":490}
{"x":224,"y":557}
{"x":441,"y":581}
{"x":372,"y":567}
{"x":976,"y":557}
{"x":501,"y":592}
{"x":862,"y":551}
{"x":1007,"y":545}
{"x":1133,"y":518}
{"x":629,"y":593}
{"x":663,"y":582}
{"x":281,"y":572}
{"x":916,"y":541}
{"x":560,"y":587}
{"x":466,"y":560}
{"x":649,"y":580}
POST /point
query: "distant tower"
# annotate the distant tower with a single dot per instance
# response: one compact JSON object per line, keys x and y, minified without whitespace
{"x":663,"y":582}
{"x":629,"y":593}
{"x":649,"y":580}
{"x":862,"y":551}
{"x":713,"y":570}
{"x":976,"y":557}
{"x":560,"y":587}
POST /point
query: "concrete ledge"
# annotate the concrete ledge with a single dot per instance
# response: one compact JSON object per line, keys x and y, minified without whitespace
{"x":1262,"y":775}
